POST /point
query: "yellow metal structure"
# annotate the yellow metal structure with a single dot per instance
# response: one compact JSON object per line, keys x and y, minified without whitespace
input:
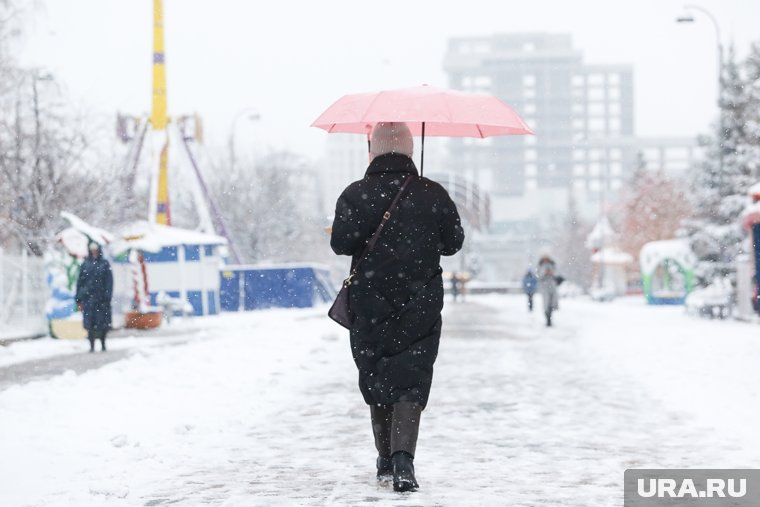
{"x":159,"y":118}
{"x":163,"y":211}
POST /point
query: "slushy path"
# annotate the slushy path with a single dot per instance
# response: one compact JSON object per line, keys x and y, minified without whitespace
{"x":268,"y":413}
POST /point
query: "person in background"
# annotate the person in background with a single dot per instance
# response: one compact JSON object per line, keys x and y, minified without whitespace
{"x":93,"y":296}
{"x":397,"y":295}
{"x":454,"y":286}
{"x":547,"y":284}
{"x":530,"y":283}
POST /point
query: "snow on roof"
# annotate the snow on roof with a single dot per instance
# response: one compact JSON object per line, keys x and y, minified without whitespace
{"x":751,"y":215}
{"x":73,"y":241}
{"x":655,"y":252}
{"x":601,"y":232}
{"x":150,"y":237}
{"x":100,"y":236}
{"x":611,"y":255}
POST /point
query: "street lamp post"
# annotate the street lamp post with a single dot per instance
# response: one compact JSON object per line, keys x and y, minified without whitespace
{"x":690,"y":19}
{"x":250,"y":114}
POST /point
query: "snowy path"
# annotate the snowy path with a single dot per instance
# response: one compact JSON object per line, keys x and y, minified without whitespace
{"x":265,"y":411}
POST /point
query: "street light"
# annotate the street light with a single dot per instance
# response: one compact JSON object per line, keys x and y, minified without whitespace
{"x":688,"y":18}
{"x":250,"y":114}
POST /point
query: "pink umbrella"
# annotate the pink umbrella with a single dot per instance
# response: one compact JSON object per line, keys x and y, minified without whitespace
{"x":427,"y":110}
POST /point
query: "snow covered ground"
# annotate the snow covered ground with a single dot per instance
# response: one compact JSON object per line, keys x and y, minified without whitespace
{"x":263,"y":409}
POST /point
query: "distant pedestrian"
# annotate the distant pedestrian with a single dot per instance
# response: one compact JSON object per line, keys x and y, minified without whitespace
{"x":547,"y":284}
{"x":397,"y":294}
{"x":530,"y":283}
{"x":454,"y":286}
{"x":93,"y":297}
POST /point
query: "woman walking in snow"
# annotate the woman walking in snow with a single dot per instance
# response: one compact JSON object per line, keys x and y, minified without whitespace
{"x":547,"y":284}
{"x":397,"y":294}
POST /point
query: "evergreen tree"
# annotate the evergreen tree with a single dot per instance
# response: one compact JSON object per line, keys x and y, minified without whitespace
{"x":720,"y":181}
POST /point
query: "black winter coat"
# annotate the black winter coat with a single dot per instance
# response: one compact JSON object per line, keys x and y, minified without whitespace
{"x":94,"y":290}
{"x":397,"y":295}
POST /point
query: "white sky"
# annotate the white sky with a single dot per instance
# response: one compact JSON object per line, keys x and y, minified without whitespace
{"x":291,"y":59}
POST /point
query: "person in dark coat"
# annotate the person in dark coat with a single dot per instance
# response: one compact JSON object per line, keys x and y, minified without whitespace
{"x":530,"y":283}
{"x":93,"y":297}
{"x":397,"y":295}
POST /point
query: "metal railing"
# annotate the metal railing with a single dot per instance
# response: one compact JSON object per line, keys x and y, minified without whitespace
{"x":23,"y":294}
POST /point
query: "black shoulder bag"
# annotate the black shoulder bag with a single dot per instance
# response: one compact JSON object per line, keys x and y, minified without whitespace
{"x":340,"y":312}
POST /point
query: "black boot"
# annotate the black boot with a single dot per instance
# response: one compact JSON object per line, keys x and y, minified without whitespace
{"x":403,"y":472}
{"x":384,"y":468}
{"x":548,"y":319}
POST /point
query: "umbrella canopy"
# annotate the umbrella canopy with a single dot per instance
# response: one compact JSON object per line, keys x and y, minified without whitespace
{"x":427,"y":110}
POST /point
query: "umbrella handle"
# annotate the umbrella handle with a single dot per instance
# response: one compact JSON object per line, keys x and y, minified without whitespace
{"x":422,"y":151}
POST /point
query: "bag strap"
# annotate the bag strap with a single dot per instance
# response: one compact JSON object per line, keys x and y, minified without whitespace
{"x":373,"y":240}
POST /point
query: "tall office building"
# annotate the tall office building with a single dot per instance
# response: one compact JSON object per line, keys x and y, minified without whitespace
{"x":585,"y":146}
{"x":582,"y":115}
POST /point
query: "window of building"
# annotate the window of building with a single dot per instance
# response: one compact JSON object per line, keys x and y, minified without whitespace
{"x":677,"y":153}
{"x":613,"y":78}
{"x":594,"y":185}
{"x":529,"y":93}
{"x":529,"y":140}
{"x":595,"y":79}
{"x":613,"y":108}
{"x":578,"y":81}
{"x":579,"y":108}
{"x":596,"y":124}
{"x":531,"y":184}
{"x":530,"y":154}
{"x":579,"y":154}
{"x":529,"y":108}
{"x":614,"y":125}
{"x":531,"y":170}
{"x":579,"y":185}
{"x":529,"y":46}
{"x":485,"y":178}
{"x":616,"y":168}
{"x":616,"y":184}
{"x":529,"y":80}
{"x":596,"y":94}
{"x":613,"y":93}
{"x":579,"y":169}
{"x":615,"y":154}
{"x":594,"y":169}
{"x":482,"y":82}
{"x":596,"y":108}
{"x":579,"y":124}
{"x":595,"y":154}
{"x":652,"y":155}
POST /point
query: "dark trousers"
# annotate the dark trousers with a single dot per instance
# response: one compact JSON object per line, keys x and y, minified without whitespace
{"x":93,"y":335}
{"x":395,"y":427}
{"x":530,"y":302}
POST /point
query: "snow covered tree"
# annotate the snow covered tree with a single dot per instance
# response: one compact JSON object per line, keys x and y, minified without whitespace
{"x":653,"y":207}
{"x":272,"y":209}
{"x":730,"y":167}
{"x":750,"y":149}
{"x":47,"y":164}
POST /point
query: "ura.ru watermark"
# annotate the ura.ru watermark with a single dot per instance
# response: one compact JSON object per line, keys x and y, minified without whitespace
{"x":693,"y":487}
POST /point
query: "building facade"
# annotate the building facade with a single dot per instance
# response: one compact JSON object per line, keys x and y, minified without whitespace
{"x":585,"y":147}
